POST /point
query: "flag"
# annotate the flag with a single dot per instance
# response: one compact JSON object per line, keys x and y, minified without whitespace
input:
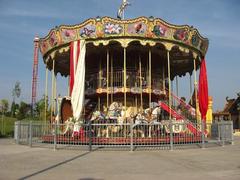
{"x":203,"y":90}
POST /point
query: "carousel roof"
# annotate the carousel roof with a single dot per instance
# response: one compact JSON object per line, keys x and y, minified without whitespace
{"x":103,"y":31}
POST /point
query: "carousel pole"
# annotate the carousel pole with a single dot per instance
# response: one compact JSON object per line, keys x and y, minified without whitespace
{"x":55,"y":93}
{"x":125,"y":78}
{"x":169,"y":85}
{"x":149,"y":76}
{"x":164,"y":86}
{"x":140,"y":74}
{"x":177,"y":86}
{"x":52,"y":96}
{"x":190,"y":84}
{"x":68,"y":86}
{"x":195,"y":87}
{"x":136,"y":98}
{"x":111,"y":78}
{"x":99,"y":83}
{"x":107,"y":77}
{"x":46,"y":96}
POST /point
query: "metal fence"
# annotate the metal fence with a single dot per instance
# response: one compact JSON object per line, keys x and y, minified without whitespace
{"x":167,"y":134}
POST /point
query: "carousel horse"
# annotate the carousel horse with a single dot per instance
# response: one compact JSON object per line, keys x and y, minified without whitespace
{"x":155,"y":117}
{"x":140,"y":121}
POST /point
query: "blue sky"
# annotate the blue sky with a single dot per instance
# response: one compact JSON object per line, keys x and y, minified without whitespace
{"x":20,"y":21}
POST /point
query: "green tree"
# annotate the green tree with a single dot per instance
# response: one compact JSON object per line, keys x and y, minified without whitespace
{"x":40,"y":109}
{"x":4,"y":106}
{"x":16,"y":92}
{"x":23,"y":111}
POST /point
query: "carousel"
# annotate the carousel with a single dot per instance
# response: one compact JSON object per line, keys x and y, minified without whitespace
{"x":121,"y":71}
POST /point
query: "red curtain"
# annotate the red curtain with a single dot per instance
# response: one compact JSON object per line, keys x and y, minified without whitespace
{"x":203,"y":90}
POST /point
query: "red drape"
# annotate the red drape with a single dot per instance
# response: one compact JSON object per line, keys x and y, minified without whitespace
{"x":203,"y":90}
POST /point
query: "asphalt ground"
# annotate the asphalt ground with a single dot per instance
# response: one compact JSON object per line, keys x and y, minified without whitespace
{"x":23,"y":162}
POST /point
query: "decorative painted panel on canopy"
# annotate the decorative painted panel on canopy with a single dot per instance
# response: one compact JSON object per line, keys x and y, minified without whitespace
{"x":141,"y":28}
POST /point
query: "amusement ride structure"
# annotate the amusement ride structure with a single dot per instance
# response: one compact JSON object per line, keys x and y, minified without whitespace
{"x":122,"y":70}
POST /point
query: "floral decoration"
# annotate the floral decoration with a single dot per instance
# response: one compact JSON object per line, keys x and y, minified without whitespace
{"x":111,"y":28}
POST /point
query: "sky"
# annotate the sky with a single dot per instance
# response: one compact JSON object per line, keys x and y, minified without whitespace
{"x":20,"y":21}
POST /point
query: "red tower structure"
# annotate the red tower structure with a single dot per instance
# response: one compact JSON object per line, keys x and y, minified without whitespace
{"x":35,"y":71}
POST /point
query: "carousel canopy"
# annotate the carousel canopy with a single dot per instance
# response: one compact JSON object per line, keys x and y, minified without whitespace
{"x":184,"y":42}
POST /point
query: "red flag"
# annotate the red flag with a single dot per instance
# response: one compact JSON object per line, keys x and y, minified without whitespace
{"x":203,"y":90}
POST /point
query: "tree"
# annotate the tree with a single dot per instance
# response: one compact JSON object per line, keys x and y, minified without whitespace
{"x":4,"y":109}
{"x":40,"y":109}
{"x":16,"y":92}
{"x":4,"y":106}
{"x":24,"y":110}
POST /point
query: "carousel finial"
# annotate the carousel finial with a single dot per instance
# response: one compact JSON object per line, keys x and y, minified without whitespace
{"x":123,"y":6}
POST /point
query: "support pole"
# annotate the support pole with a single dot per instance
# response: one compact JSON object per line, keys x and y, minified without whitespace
{"x":46,"y":97}
{"x":125,"y":79}
{"x":140,"y":74}
{"x":111,"y":79}
{"x":107,"y":77}
{"x":52,"y":96}
{"x":164,"y":86}
{"x":195,"y":88}
{"x":99,"y":83}
{"x":177,"y":86}
{"x":169,"y":85}
{"x":150,"y":76}
{"x":55,"y":94}
{"x":190,"y":77}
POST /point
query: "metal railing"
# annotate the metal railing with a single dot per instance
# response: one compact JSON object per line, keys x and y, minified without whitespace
{"x":167,"y":134}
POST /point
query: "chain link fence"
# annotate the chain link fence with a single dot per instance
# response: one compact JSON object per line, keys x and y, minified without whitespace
{"x":167,"y":134}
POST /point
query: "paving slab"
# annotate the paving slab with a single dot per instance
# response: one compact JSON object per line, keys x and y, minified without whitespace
{"x":23,"y":162}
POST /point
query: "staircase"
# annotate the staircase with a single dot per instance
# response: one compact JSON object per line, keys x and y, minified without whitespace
{"x":190,"y":111}
{"x":178,"y":116}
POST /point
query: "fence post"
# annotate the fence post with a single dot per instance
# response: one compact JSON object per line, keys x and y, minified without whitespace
{"x":203,"y":135}
{"x":232,"y":137}
{"x":30,"y":134}
{"x":90,"y":135}
{"x":17,"y":133}
{"x":131,"y":136}
{"x":219,"y":134}
{"x":222,"y":133}
{"x":55,"y":136}
{"x":171,"y":135}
